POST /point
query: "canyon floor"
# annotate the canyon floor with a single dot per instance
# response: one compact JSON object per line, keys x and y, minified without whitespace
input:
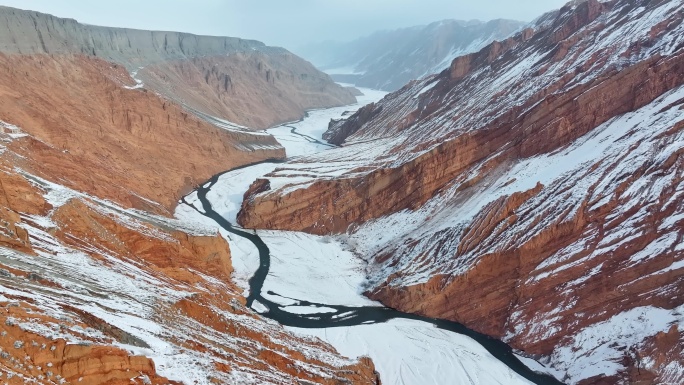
{"x":308,"y":271}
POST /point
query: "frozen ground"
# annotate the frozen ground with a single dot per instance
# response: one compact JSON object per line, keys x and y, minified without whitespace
{"x":413,"y":352}
{"x":323,"y":270}
{"x":594,"y":351}
{"x":320,"y":269}
{"x":226,"y":195}
{"x":313,"y":268}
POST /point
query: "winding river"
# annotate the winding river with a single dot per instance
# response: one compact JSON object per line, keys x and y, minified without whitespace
{"x":332,"y":316}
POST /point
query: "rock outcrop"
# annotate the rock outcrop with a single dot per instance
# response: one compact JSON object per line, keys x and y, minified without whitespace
{"x":237,"y":88}
{"x":387,"y":60}
{"x":339,"y":130}
{"x":531,"y":191}
{"x":256,"y":89}
{"x":84,"y":129}
{"x":102,"y":294}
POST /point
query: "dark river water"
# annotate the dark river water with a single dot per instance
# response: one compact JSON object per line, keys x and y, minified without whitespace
{"x":345,"y":315}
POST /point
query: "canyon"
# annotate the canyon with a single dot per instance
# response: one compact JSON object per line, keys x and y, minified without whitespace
{"x":99,"y":141}
{"x":185,"y":209}
{"x":531,"y":191}
{"x":313,"y":286}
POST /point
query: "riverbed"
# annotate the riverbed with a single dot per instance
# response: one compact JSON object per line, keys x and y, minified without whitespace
{"x":313,"y":285}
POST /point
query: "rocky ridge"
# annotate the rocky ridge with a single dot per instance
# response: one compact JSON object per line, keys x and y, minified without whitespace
{"x":532,"y":191}
{"x":387,"y":60}
{"x":97,"y":283}
{"x":93,"y":133}
{"x":227,"y":87}
{"x":92,"y":292}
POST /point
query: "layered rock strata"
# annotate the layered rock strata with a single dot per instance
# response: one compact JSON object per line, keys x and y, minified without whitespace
{"x":531,"y":191}
{"x":83,"y":128}
{"x":231,"y":78}
{"x":96,"y":293}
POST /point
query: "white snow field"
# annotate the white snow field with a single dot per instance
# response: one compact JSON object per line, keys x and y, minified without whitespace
{"x":324,"y":270}
{"x":413,"y":352}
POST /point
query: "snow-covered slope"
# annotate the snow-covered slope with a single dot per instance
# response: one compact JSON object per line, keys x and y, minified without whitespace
{"x":92,"y":292}
{"x":531,"y":191}
{"x":307,"y":268}
{"x":388,"y":60}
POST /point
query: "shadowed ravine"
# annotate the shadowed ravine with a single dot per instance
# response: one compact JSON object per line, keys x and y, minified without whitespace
{"x":344,"y":315}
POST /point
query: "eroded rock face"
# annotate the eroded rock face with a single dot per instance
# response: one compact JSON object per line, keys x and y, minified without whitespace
{"x":17,"y":196}
{"x":98,"y":276}
{"x":531,"y":191}
{"x":97,"y":283}
{"x":243,"y":81}
{"x":90,"y":133}
{"x":540,"y":126}
{"x":254,"y":89}
{"x":33,"y":356}
{"x":339,"y":130}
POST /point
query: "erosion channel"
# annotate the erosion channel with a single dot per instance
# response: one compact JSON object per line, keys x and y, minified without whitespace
{"x":331,"y":315}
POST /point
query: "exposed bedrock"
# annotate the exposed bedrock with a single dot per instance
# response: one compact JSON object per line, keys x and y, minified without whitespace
{"x":240,"y":80}
{"x":543,"y":124}
{"x":542,"y":267}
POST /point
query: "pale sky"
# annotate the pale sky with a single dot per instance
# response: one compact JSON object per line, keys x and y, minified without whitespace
{"x":288,"y":23}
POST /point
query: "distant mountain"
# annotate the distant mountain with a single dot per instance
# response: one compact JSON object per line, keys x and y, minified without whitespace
{"x":388,"y":60}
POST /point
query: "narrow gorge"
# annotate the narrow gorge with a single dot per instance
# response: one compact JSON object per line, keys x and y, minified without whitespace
{"x":302,"y":313}
{"x":178,"y":208}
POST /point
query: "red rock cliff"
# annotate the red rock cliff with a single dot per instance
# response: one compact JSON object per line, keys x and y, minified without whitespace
{"x":531,"y":191}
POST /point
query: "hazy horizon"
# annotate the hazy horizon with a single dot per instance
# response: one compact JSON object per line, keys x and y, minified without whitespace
{"x":283,"y":24}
